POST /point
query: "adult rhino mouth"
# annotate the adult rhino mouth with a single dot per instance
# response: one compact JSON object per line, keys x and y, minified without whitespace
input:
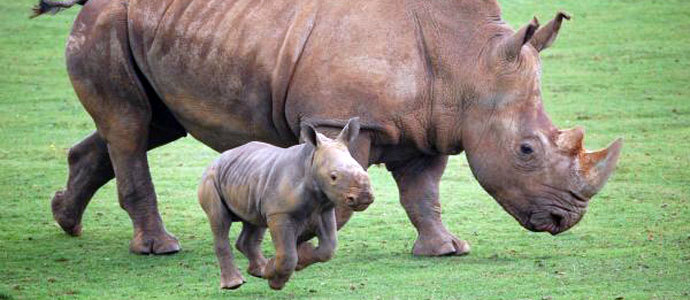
{"x":553,"y":219}
{"x":553,"y":211}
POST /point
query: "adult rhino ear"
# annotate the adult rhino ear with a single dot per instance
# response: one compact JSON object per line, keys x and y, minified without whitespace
{"x":309,"y":135}
{"x":546,"y":35}
{"x":350,"y":132}
{"x":511,"y":47}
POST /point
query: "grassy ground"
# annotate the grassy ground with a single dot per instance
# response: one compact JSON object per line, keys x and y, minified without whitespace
{"x":620,"y":68}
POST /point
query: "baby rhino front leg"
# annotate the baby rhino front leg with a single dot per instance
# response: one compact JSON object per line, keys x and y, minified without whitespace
{"x":284,"y":234}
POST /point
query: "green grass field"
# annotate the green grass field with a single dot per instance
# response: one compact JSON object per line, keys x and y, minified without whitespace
{"x":619,"y":68}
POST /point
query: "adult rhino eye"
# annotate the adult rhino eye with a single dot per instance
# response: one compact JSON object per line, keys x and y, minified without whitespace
{"x":526,"y":149}
{"x":334,"y":177}
{"x":528,"y":155}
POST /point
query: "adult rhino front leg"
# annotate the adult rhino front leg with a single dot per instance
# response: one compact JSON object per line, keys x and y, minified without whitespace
{"x":418,"y":184}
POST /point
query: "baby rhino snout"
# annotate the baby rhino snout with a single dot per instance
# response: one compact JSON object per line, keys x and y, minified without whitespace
{"x":360,"y":195}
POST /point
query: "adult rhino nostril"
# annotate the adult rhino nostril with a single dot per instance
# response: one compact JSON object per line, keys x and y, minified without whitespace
{"x":350,"y":200}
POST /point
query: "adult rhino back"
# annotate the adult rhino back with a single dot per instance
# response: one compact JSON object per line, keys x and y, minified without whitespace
{"x":222,"y":67}
{"x":234,"y":71}
{"x":427,"y":79}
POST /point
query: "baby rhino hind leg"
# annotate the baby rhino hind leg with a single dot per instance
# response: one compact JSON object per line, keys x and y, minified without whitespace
{"x":249,"y":243}
{"x":220,"y":220}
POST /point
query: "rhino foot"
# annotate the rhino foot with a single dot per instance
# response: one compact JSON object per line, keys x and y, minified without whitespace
{"x":256,"y":268}
{"x":445,"y":244}
{"x":277,"y":283}
{"x":68,"y":220}
{"x":232,"y":283}
{"x":149,"y":243}
{"x":305,"y":256}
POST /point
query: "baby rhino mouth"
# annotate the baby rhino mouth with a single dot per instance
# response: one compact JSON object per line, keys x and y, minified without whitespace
{"x":359,"y":202}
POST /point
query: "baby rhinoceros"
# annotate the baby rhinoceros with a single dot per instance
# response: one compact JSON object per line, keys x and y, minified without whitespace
{"x":289,"y":190}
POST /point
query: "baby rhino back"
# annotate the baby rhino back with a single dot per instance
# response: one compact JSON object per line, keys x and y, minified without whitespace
{"x":246,"y":176}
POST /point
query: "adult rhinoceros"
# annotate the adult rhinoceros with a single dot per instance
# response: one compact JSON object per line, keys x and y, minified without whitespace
{"x":428,"y":79}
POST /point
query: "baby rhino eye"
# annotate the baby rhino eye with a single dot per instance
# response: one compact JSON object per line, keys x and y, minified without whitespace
{"x":333,"y":176}
{"x":526,"y":149}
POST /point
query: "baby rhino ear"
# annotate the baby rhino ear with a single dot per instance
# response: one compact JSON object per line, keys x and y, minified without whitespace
{"x":309,"y":135}
{"x":350,"y":132}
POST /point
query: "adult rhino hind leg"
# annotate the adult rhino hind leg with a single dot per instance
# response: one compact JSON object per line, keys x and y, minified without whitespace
{"x":418,"y":184}
{"x":89,"y":169}
{"x":112,"y":92}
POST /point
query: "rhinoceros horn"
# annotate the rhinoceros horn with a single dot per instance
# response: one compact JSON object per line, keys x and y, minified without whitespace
{"x":546,"y":35}
{"x":570,"y":141}
{"x":596,"y":167}
{"x":510,"y":47}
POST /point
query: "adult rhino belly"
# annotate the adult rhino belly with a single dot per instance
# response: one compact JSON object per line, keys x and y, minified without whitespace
{"x":214,"y":65}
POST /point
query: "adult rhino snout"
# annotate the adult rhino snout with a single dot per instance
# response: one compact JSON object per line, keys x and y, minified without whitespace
{"x":594,"y":169}
{"x":553,"y":221}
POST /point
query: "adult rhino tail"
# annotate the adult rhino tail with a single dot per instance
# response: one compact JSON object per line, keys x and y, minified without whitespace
{"x":53,"y":7}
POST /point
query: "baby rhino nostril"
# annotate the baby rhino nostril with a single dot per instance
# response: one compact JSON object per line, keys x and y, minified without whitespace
{"x":350,"y":200}
{"x":366,"y":198}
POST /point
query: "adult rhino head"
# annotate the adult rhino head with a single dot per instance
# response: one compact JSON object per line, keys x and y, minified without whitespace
{"x":541,"y":175}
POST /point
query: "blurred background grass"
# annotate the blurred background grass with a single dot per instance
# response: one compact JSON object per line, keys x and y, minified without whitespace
{"x":619,"y":68}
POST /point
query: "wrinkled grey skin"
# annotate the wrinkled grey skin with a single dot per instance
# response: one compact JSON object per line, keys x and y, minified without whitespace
{"x":428,"y":79}
{"x":290,"y":191}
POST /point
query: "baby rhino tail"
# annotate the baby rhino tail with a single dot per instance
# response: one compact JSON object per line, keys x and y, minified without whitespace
{"x":53,"y":7}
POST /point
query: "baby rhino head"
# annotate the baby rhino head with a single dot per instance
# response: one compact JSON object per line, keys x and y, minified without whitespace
{"x":336,"y":172}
